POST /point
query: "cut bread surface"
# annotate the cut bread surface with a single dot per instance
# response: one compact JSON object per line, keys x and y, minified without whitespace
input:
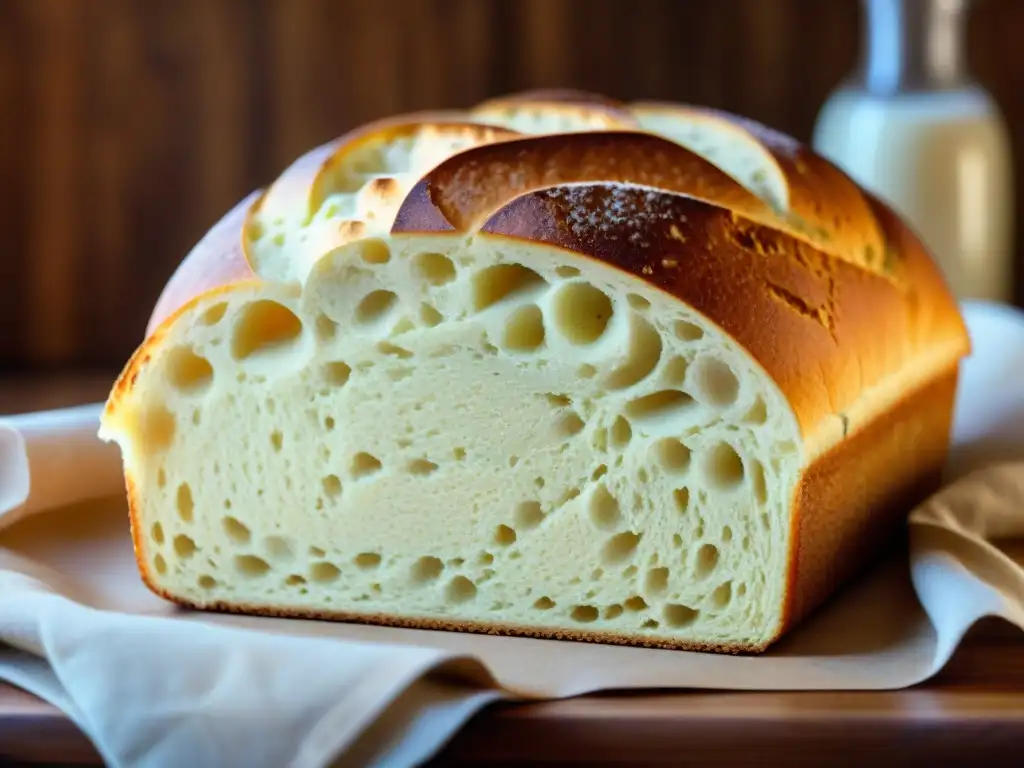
{"x":554,"y":366}
{"x":491,"y":433}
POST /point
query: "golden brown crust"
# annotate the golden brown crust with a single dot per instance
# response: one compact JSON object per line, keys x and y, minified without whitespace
{"x":463,"y":190}
{"x":824,"y":203}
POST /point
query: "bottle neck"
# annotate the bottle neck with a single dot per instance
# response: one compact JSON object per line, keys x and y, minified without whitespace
{"x":913,"y":45}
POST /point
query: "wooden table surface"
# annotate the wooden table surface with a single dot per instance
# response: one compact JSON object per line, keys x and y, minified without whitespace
{"x":972,"y":713}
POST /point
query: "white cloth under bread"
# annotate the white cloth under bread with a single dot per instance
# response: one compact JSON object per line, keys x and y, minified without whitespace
{"x":155,"y":686}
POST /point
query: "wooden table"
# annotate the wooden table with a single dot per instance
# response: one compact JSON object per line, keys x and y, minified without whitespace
{"x":972,"y":713}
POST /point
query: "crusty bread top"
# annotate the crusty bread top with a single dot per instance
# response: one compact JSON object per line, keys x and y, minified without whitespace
{"x":823,"y":284}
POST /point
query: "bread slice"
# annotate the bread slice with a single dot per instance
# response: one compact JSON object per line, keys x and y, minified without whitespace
{"x":582,"y":384}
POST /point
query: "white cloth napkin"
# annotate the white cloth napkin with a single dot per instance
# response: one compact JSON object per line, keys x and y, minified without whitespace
{"x":152,"y":685}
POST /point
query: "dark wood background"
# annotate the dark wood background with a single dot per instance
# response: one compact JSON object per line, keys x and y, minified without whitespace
{"x":127,"y":127}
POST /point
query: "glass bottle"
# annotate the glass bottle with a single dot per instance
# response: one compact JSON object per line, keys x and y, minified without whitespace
{"x":912,"y":126}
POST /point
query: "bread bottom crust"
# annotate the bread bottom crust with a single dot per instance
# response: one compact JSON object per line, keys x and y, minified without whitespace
{"x":847,"y":506}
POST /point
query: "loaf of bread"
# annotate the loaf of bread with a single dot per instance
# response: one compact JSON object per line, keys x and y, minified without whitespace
{"x":554,"y":366}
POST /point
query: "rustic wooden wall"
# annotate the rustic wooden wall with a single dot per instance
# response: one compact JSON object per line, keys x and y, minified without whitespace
{"x":129,"y":126}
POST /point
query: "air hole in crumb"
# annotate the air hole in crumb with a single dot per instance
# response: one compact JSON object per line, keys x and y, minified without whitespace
{"x":644,"y":352}
{"x":426,"y":568}
{"x":636,"y":301}
{"x":504,"y":536}
{"x":544,"y":603}
{"x":620,"y":547}
{"x":153,"y":429}
{"x":659,"y":406}
{"x":714,"y":382}
{"x":678,"y":616}
{"x":635,"y":604}
{"x":367,"y":560}
{"x":374,"y":251}
{"x":502,"y":281}
{"x":160,"y":564}
{"x":586,"y":371}
{"x":184,"y":502}
{"x":157,"y":533}
{"x":331,"y":485}
{"x":375,"y":306}
{"x":264,"y":327}
{"x":387,"y":348}
{"x":757,"y":414}
{"x":673,"y":455}
{"x":337,"y":373}
{"x":621,"y":433}
{"x":581,"y":312}
{"x":723,"y":467}
{"x":188,"y":371}
{"x":184,"y":546}
{"x":430,"y":316}
{"x":528,"y":515}
{"x":570,"y":424}
{"x":206,"y":581}
{"x":278,"y":547}
{"x":161,"y":478}
{"x":741,"y":590}
{"x":649,"y":624}
{"x":434,"y":268}
{"x":365,"y":464}
{"x":317,"y":552}
{"x":459,"y":590}
{"x":603,"y":509}
{"x":707,"y":560}
{"x":251,"y":566}
{"x":657,"y":581}
{"x":524,"y":329}
{"x":757,"y":479}
{"x":326,"y":329}
{"x":677,"y":541}
{"x":295,"y":580}
{"x":276,"y":440}
{"x":567,"y":272}
{"x":324,"y":572}
{"x":674,"y":372}
{"x":687,"y":331}
{"x":722,"y":595}
{"x":421,"y":467}
{"x":727,"y":534}
{"x":329,"y":423}
{"x":236,"y":530}
{"x":485,"y":558}
{"x":599,"y":472}
{"x":214,"y":314}
{"x":613,"y":612}
{"x":558,"y":401}
{"x":459,"y":453}
{"x":584,"y":614}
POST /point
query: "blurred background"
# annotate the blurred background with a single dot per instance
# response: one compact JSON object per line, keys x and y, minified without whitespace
{"x":130,"y":126}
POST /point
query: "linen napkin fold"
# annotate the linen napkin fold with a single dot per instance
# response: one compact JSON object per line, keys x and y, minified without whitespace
{"x":156,"y":687}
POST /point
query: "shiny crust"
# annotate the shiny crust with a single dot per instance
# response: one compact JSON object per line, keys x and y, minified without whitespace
{"x":829,"y":321}
{"x":825,"y":205}
{"x":462,"y":191}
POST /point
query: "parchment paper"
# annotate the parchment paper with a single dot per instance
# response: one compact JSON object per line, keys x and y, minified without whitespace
{"x":155,"y":685}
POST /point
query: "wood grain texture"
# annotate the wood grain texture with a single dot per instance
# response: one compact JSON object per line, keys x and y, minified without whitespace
{"x":130,"y":126}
